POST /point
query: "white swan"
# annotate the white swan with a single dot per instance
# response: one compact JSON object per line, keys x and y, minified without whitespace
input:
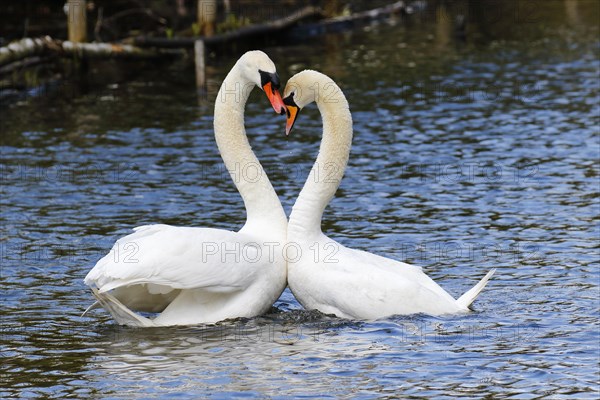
{"x":325,"y":275}
{"x":203,"y":275}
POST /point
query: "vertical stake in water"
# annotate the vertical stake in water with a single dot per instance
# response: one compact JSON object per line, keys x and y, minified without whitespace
{"x":200,"y":65}
{"x":77,"y":21}
{"x":207,"y":15}
{"x":77,"y":26}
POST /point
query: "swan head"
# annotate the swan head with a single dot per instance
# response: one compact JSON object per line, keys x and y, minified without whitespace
{"x":302,"y":89}
{"x":258,"y":68}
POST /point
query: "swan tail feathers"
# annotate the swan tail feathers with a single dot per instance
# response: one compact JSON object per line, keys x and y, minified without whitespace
{"x":121,"y":314}
{"x":469,"y":297}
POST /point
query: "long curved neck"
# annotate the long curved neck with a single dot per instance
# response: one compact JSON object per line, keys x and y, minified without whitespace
{"x":261,"y":201}
{"x":327,"y":172}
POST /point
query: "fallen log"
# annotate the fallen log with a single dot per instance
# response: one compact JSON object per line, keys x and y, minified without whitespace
{"x":242,"y":33}
{"x":22,"y":49}
{"x":26,"y":63}
{"x":47,"y":48}
{"x":346,"y":22}
{"x":25,"y":48}
{"x":108,"y":50}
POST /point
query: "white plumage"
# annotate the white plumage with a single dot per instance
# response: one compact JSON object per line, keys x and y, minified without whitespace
{"x":204,"y":275}
{"x":342,"y":281}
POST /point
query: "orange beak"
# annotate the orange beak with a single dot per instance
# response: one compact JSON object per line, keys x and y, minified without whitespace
{"x":292,"y":114}
{"x":275,"y":98}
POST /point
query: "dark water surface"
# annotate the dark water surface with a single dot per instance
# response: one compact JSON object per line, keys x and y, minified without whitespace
{"x":467,"y":156}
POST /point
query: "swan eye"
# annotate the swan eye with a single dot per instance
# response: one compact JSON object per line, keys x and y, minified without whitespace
{"x":289,"y":100}
{"x":268,"y":77}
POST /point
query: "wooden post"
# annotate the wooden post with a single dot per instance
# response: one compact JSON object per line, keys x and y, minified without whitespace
{"x":443,"y":26}
{"x":572,"y":12}
{"x":200,"y":64}
{"x":77,"y":21}
{"x":207,"y":15}
{"x":331,"y":8}
{"x":181,"y":10}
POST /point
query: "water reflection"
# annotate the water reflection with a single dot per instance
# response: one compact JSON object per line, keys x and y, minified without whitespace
{"x":469,"y":153}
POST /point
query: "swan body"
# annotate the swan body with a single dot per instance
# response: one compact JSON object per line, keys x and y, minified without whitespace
{"x":326,"y":275}
{"x":203,"y":275}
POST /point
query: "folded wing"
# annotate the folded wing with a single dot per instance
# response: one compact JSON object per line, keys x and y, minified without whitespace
{"x":166,"y":258}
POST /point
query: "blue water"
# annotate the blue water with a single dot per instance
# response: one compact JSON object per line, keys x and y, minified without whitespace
{"x":467,"y":155}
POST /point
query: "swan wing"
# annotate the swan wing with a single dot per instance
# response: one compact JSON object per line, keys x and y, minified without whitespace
{"x":368,"y":286}
{"x":165,"y":258}
{"x":400,"y":274}
{"x":121,"y":314}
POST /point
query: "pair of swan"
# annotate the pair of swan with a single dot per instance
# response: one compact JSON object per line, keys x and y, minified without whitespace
{"x":203,"y":275}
